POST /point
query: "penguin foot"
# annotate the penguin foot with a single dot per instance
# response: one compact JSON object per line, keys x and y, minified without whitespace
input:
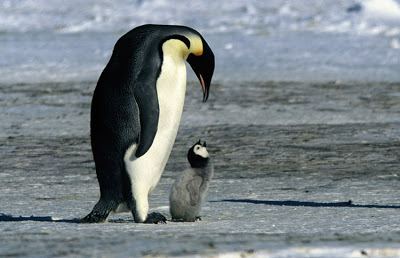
{"x":182,"y":220}
{"x":155,"y":218}
{"x":177,"y":220}
{"x":94,"y":217}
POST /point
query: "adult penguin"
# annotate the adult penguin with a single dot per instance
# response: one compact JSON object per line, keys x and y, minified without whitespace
{"x":136,"y":111}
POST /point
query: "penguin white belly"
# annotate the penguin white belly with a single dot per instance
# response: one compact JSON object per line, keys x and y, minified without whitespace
{"x":146,"y":171}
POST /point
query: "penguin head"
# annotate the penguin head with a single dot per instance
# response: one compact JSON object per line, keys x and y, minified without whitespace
{"x":196,"y":51}
{"x":202,"y":62}
{"x":198,"y":155}
{"x":182,"y":41}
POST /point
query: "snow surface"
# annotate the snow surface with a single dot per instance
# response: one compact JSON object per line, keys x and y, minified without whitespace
{"x":314,"y":40}
{"x":302,"y":123}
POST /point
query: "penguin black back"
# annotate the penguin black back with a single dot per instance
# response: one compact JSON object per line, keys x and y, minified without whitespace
{"x":134,"y":59}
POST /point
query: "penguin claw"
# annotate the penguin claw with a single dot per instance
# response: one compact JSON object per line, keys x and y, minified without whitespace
{"x":155,"y":218}
{"x":86,"y":221}
{"x":93,"y":218}
{"x":182,"y":220}
{"x":177,"y":220}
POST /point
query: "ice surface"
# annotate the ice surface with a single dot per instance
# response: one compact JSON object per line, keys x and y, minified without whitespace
{"x":382,"y":10}
{"x":288,"y":159}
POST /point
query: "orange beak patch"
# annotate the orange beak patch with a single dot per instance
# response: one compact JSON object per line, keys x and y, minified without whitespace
{"x":198,"y":53}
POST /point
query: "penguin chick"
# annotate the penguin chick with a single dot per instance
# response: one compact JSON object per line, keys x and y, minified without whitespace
{"x":189,"y":190}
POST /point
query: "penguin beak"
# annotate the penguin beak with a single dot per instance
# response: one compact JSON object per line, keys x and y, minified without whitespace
{"x":203,"y":66}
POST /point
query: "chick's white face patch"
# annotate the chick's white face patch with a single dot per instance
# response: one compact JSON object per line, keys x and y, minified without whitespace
{"x":200,"y":151}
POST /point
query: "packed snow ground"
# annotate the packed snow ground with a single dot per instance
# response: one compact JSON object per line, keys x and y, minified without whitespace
{"x":303,"y":169}
{"x":293,"y":187}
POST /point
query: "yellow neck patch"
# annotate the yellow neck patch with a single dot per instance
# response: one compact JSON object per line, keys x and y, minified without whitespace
{"x":177,"y":47}
{"x":196,"y":45}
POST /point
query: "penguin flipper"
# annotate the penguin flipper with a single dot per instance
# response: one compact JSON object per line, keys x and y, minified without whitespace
{"x":193,"y":188}
{"x":147,"y":101}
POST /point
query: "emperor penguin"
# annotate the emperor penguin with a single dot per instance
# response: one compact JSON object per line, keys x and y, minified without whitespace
{"x":189,"y":190}
{"x":135,"y":114}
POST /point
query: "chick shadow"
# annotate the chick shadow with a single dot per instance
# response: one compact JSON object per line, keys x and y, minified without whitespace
{"x":348,"y":204}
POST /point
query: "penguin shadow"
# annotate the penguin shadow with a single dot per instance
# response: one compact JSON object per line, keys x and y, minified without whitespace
{"x":10,"y":218}
{"x":348,"y":204}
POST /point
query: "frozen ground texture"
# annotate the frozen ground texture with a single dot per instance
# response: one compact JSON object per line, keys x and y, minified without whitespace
{"x":287,"y":162}
{"x":306,"y":168}
{"x":315,"y":40}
